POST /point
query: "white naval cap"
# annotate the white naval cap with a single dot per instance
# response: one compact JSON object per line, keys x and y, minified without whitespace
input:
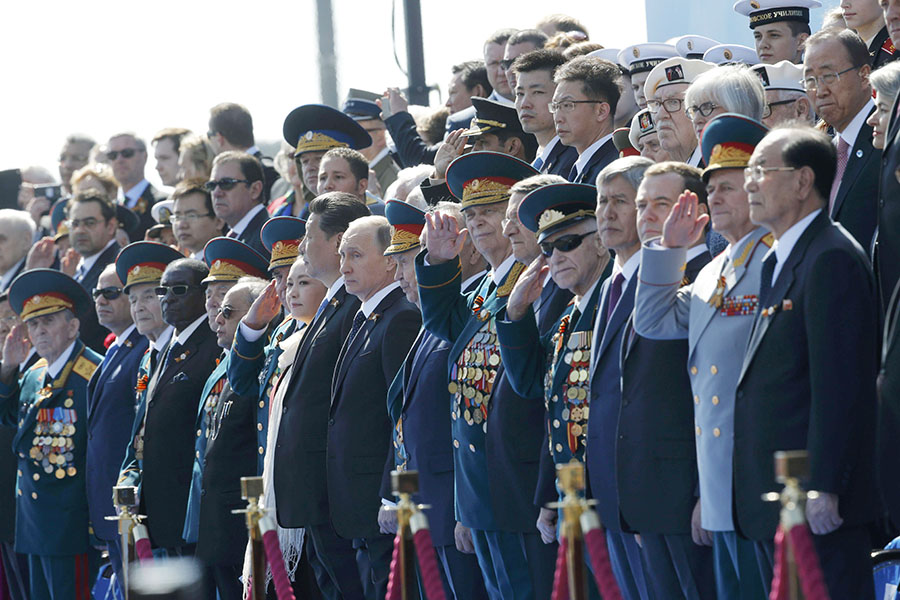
{"x":763,"y":12}
{"x":610,"y":54}
{"x":673,"y":71}
{"x":783,"y":75}
{"x":162,"y":210}
{"x":641,"y":124}
{"x":692,"y":46}
{"x":726,"y":54}
{"x":641,"y":58}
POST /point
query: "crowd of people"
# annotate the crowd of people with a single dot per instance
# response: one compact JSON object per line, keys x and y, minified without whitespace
{"x":664,"y":263}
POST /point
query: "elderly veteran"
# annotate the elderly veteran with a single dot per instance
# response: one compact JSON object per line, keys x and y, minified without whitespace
{"x":786,"y":98}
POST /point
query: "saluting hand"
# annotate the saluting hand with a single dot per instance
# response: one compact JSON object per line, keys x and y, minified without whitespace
{"x":264,"y":308}
{"x":527,"y":289}
{"x":684,"y":223}
{"x":15,"y":350}
{"x":41,"y":254}
{"x":444,"y":239}
{"x":68,"y":264}
{"x":450,"y":149}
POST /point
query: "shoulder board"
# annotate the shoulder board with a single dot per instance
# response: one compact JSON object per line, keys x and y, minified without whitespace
{"x":888,"y":46}
{"x":768,"y":240}
{"x":40,"y":364}
{"x":84,"y":367}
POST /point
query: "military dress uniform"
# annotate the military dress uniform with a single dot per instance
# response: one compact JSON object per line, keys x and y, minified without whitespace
{"x":495,"y":466}
{"x":50,"y":411}
{"x":319,"y":128}
{"x":882,"y":50}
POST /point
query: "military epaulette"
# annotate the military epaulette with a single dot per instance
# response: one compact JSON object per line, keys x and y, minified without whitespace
{"x":84,"y":367}
{"x":40,"y":364}
{"x":511,"y":279}
{"x":888,"y":46}
{"x":768,"y":240}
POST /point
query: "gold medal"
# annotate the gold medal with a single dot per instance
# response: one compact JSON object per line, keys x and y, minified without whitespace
{"x":576,"y":414}
{"x":577,"y":356}
{"x":71,"y":471}
{"x":494,"y":360}
{"x":582,"y":375}
{"x":478,"y":417}
{"x":467,"y":415}
{"x":582,"y":394}
{"x":452,"y":387}
{"x":60,"y":473}
{"x":573,"y":376}
{"x":572,"y":393}
{"x":68,"y":403}
{"x":576,"y":430}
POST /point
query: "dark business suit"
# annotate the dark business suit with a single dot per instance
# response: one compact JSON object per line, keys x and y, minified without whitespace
{"x":18,"y":272}
{"x":819,"y":397}
{"x":172,"y":395}
{"x":250,"y":234}
{"x":889,"y":412}
{"x":887,"y":240}
{"x":411,"y":148}
{"x":856,"y":204}
{"x":601,"y":157}
{"x":359,"y":432}
{"x":92,"y":332}
{"x":141,"y":208}
{"x":560,"y":160}
{"x":301,"y":489}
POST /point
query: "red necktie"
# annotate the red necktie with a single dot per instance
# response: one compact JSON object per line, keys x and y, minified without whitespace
{"x":615,"y":292}
{"x":843,"y":155}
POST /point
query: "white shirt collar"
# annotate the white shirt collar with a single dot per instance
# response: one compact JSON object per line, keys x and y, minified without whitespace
{"x":783,"y":245}
{"x":182,"y":337}
{"x":120,"y":339}
{"x":735,"y":249}
{"x":87,"y":262}
{"x":545,"y":152}
{"x":163,"y":340}
{"x":56,"y":367}
{"x":337,"y":285}
{"x":585,"y":300}
{"x":369,"y":306}
{"x":629,"y":268}
{"x":696,"y":251}
{"x":500,"y":272}
{"x":7,"y":277}
{"x":477,"y":276}
{"x":585,"y":157}
{"x":496,"y":97}
{"x":134,"y":194}
{"x":241,"y":225}
{"x":851,"y":132}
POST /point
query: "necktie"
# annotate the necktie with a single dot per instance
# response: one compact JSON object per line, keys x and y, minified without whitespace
{"x":358,"y":321}
{"x":573,"y":175}
{"x":154,"y":355}
{"x":108,"y":358}
{"x":765,"y":282}
{"x":538,"y":163}
{"x":79,"y":273}
{"x":319,"y":310}
{"x":615,"y":292}
{"x":173,"y":349}
{"x":843,"y":155}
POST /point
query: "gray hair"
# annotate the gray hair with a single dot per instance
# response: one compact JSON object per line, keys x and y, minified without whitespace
{"x":252,"y":286}
{"x":19,"y":225}
{"x":886,"y":81}
{"x":448,"y":208}
{"x":733,"y":87}
{"x":631,"y":168}
{"x":407,"y":180}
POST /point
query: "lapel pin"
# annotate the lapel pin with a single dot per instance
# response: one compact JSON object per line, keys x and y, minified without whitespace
{"x":859,"y":154}
{"x":787,"y":304}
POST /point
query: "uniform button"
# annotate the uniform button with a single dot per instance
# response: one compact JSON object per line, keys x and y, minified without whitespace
{"x":715,"y":400}
{"x":259,"y":426}
{"x":36,"y":476}
{"x":698,"y":430}
{"x":456,"y":443}
{"x":21,"y":455}
{"x":198,"y":453}
{"x":202,"y":492}
{"x":717,"y":432}
{"x":693,"y":370}
{"x":19,"y":492}
{"x":696,"y":399}
{"x":262,"y":404}
{"x":472,"y":447}
{"x":262,"y":450}
{"x":740,"y":394}
{"x":714,"y":369}
{"x":284,"y":410}
{"x":34,"y":495}
{"x":198,"y":433}
{"x":331,"y":421}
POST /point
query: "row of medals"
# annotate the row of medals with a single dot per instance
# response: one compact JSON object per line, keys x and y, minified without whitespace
{"x":472,"y":377}
{"x":574,"y":392}
{"x":52,"y":448}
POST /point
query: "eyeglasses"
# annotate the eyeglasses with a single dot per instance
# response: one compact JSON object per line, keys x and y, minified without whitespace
{"x":226,"y":183}
{"x":567,"y":106}
{"x":672,"y":105}
{"x":566,"y":243}
{"x":226,"y":311}
{"x":812,"y":83}
{"x":767,"y":110}
{"x":704,"y":110}
{"x":109,"y":293}
{"x":88,"y":223}
{"x":126,"y":153}
{"x":188,"y":217}
{"x":177,"y":290}
{"x":757,"y":173}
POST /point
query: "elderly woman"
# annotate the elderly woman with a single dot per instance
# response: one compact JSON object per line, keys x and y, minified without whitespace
{"x":886,"y":82}
{"x":726,"y":89}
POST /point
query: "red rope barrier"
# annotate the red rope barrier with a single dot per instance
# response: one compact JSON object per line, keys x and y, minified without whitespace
{"x":780,"y":588}
{"x":595,"y":541}
{"x":561,"y":576}
{"x":811,"y":577}
{"x":142,"y":544}
{"x":280,"y":578}
{"x":394,"y":583}
{"x":428,"y":566}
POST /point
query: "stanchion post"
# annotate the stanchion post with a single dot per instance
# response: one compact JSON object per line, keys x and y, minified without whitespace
{"x":252,"y":491}
{"x":404,"y":484}
{"x":573,"y":505}
{"x":125,"y":499}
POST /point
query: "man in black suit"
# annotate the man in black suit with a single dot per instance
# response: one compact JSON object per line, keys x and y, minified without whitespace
{"x":237,"y":187}
{"x":584,"y":112}
{"x":359,"y":459}
{"x":534,"y":84}
{"x":16,"y":237}
{"x":301,"y":489}
{"x":817,"y":298}
{"x":887,"y":242}
{"x":172,"y":395}
{"x":127,"y":154}
{"x":231,"y":128}
{"x":845,"y":104}
{"x":92,"y":233}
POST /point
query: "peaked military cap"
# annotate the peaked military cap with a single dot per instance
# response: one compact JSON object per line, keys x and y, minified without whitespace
{"x":229,"y":260}
{"x":479,"y":178}
{"x":783,"y":75}
{"x":407,"y":223}
{"x":729,"y":54}
{"x":360,"y":105}
{"x":641,"y":124}
{"x":622,"y":141}
{"x":557,"y":206}
{"x":281,"y":236}
{"x":673,"y":71}
{"x":58,"y":220}
{"x":492,"y":117}
{"x":728,"y":141}
{"x":40,"y":292}
{"x":319,"y":128}
{"x":144,"y":262}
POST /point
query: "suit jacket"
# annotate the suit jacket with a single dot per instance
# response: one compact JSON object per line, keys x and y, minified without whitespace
{"x":717,"y":336}
{"x":92,"y":332}
{"x":110,"y":416}
{"x":889,"y":412}
{"x":821,"y":395}
{"x":250,"y":235}
{"x":604,"y":155}
{"x":411,"y":148}
{"x":17,"y":273}
{"x":359,"y":427}
{"x":856,"y":202}
{"x":51,"y":501}
{"x":169,"y":433}
{"x":882,"y":49}
{"x":887,"y":240}
{"x":301,"y":490}
{"x":560,"y":161}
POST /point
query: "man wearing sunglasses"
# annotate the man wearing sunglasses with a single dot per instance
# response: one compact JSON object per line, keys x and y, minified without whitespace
{"x":110,"y":406}
{"x":236,"y":185}
{"x":127,"y":155}
{"x":172,"y":392}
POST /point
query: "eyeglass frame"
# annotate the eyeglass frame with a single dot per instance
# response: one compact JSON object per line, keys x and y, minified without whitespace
{"x":222,"y":309}
{"x":577,"y":238}
{"x":662,"y":104}
{"x":163,"y":290}
{"x":106,"y":292}
{"x":820,"y":78}
{"x":174,"y":218}
{"x":758,"y":173}
{"x":710,"y":107}
{"x":112,"y":155}
{"x":768,"y":106}
{"x":559,"y":105}
{"x":226,"y":183}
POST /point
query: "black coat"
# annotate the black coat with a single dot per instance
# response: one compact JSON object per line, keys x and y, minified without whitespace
{"x":604,"y":155}
{"x":561,"y":160}
{"x":856,"y":203}
{"x":148,"y":198}
{"x":250,"y":235}
{"x":270,"y":175}
{"x":411,"y":148}
{"x":808,"y":381}
{"x":172,"y":396}
{"x":887,"y":244}
{"x":301,"y":492}
{"x":882,"y":49}
{"x":889,"y":412}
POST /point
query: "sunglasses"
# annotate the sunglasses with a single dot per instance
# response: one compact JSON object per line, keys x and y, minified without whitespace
{"x":566,"y":243}
{"x":126,"y":153}
{"x":226,"y":312}
{"x":226,"y":183}
{"x":110,"y":293}
{"x":177,"y":290}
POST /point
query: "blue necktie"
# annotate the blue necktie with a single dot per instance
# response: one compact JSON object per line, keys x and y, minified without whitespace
{"x":319,"y":310}
{"x":765,"y":281}
{"x":108,"y":358}
{"x":358,"y":321}
{"x":538,"y":163}
{"x":174,"y":347}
